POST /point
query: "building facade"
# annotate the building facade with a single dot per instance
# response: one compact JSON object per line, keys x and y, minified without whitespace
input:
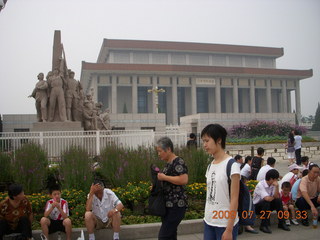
{"x":197,"y":78}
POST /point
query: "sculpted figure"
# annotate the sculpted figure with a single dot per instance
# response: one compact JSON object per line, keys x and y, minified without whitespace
{"x":41,"y":96}
{"x":72,"y":96}
{"x":89,"y":116}
{"x":56,"y":83}
{"x":103,"y":118}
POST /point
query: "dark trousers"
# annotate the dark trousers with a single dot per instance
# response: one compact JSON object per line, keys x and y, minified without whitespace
{"x":298,"y":156}
{"x":24,"y":227}
{"x":170,"y":223}
{"x":302,"y":204}
{"x":264,"y":206}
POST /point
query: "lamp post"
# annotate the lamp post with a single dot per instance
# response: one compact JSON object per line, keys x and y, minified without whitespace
{"x":156,"y":91}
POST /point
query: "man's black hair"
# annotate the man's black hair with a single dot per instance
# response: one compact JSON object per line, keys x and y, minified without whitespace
{"x":260,"y":151}
{"x":286,"y":185}
{"x":14,"y":190}
{"x":237,"y":157}
{"x":304,"y":159}
{"x":54,"y":187}
{"x":271,"y":161}
{"x":192,"y":135}
{"x":98,"y":181}
{"x":272,"y":174}
{"x":305,"y":172}
{"x":215,"y":131}
{"x":312,"y":166}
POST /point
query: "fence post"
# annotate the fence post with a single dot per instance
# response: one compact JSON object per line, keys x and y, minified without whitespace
{"x":252,"y":151}
{"x":41,"y":139}
{"x":98,"y":143}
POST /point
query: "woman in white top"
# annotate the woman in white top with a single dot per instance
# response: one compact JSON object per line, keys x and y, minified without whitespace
{"x":246,"y":169}
{"x":221,"y":216}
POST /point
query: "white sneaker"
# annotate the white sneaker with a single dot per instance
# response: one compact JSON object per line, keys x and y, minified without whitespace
{"x":43,"y":237}
{"x":288,"y":222}
{"x":294,"y":221}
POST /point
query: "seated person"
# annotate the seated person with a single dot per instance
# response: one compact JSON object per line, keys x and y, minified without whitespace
{"x":266,"y":198}
{"x":307,"y":197}
{"x":288,"y":203}
{"x":271,"y":162}
{"x":294,"y":189}
{"x":293,"y":175}
{"x":56,"y":214}
{"x":305,"y":162}
{"x":239,"y":159}
{"x":16,"y":213}
{"x":102,"y":210}
{"x":246,"y":169}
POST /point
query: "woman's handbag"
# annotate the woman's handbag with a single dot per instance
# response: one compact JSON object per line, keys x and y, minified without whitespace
{"x":157,"y":205}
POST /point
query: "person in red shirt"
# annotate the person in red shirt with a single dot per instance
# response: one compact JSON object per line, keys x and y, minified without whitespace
{"x":56,"y":215}
{"x":288,"y":203}
{"x":16,"y":213}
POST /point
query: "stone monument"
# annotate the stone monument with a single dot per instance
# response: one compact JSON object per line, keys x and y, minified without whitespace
{"x":60,"y":101}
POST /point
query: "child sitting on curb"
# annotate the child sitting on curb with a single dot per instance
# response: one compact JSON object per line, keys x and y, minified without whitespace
{"x":287,"y":202}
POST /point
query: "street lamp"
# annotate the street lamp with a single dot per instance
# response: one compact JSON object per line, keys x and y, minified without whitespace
{"x":156,"y":91}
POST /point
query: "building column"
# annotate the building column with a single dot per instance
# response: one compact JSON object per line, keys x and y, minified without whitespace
{"x":235,"y":96}
{"x":94,"y":87}
{"x":252,"y":97}
{"x":193,"y":96}
{"x":114,"y":94}
{"x":269,"y":101}
{"x":134,"y":94}
{"x":284,"y":97}
{"x":218,"y":95}
{"x":298,"y":103}
{"x":174,"y":101}
{"x":154,"y":95}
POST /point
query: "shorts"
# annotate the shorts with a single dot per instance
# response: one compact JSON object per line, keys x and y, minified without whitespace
{"x":102,"y":225}
{"x":56,"y":226}
{"x":291,"y":155}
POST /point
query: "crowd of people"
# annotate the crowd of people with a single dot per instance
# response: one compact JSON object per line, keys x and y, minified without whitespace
{"x":291,"y":195}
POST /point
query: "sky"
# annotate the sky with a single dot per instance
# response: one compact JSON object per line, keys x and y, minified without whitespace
{"x":27,"y":29}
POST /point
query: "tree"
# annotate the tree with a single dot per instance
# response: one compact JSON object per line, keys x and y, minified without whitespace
{"x":316,"y":125}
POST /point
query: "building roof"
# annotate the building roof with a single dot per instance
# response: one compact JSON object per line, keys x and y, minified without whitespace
{"x":199,"y":70}
{"x":190,"y":47}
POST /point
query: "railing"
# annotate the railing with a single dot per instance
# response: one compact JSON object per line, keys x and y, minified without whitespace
{"x":55,"y":143}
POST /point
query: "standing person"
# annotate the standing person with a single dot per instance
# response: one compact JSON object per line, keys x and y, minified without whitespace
{"x":307,"y":197}
{"x":40,"y":94}
{"x":102,"y":210}
{"x":16,"y":213}
{"x":239,"y":159}
{"x":266,"y":198}
{"x":290,"y":148}
{"x":297,"y":146}
{"x":192,"y":142}
{"x":174,"y":177}
{"x":56,"y":214}
{"x":257,"y":163}
{"x":218,"y":196}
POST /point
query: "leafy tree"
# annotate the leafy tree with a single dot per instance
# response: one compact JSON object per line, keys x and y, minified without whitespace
{"x":316,"y":125}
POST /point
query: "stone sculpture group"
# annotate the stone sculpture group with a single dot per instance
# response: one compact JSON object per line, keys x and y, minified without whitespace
{"x":61,"y":98}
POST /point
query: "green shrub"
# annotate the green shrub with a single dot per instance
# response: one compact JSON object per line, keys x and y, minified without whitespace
{"x":29,"y":168}
{"x":75,"y":169}
{"x":5,"y":173}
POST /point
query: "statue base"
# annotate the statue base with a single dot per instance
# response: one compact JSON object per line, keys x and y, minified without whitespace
{"x":56,"y":126}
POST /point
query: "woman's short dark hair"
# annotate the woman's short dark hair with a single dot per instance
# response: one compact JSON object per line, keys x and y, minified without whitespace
{"x":260,"y":150}
{"x":215,"y":131}
{"x":165,"y":143}
{"x":272,"y":174}
{"x":14,"y":190}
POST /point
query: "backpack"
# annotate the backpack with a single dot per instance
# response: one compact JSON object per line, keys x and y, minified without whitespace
{"x":246,"y":212}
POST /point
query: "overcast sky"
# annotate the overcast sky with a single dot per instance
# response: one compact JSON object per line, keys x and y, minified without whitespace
{"x":27,"y":29}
